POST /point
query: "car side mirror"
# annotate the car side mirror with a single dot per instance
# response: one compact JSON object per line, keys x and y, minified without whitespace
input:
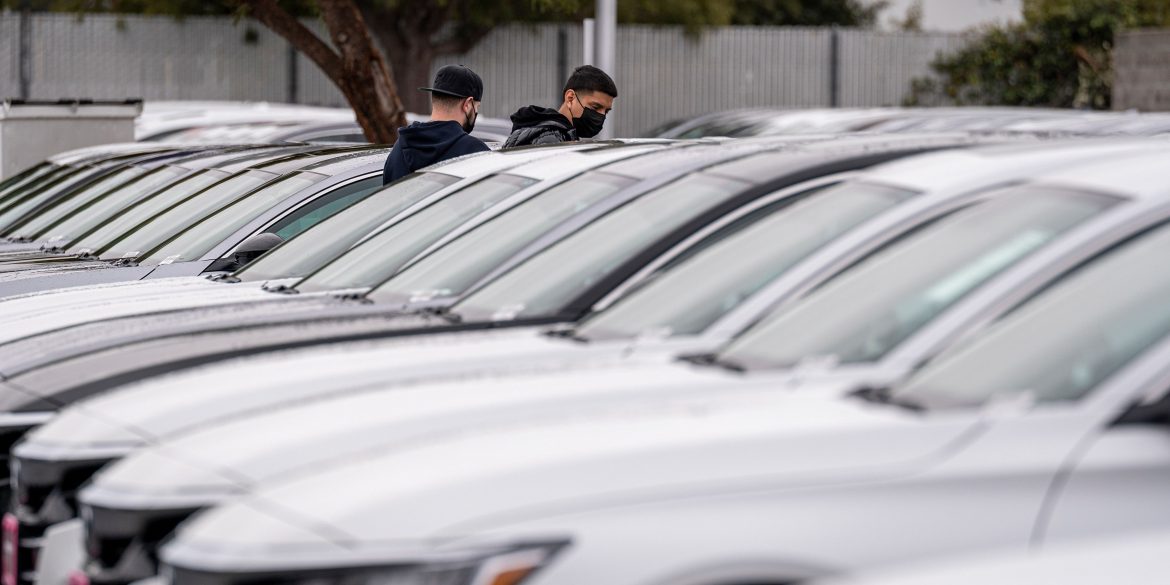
{"x":254,"y":247}
{"x":1156,"y":412}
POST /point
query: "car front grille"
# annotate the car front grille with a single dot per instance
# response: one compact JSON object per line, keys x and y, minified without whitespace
{"x":44,"y":494}
{"x":122,"y":545}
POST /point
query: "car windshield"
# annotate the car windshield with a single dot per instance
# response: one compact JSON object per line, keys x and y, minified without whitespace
{"x":867,"y":311}
{"x":333,"y":236}
{"x":380,"y":256}
{"x":144,"y":209}
{"x":693,"y":292}
{"x":1065,"y":341}
{"x":15,"y":183}
{"x":200,"y":238}
{"x":172,"y":221}
{"x":80,"y":222}
{"x":45,"y":191}
{"x":545,"y":284}
{"x":84,"y":196}
{"x":452,"y":269}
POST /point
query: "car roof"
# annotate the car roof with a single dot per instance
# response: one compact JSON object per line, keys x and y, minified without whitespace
{"x":948,"y":168}
{"x":1140,"y":175}
{"x":487,"y":162}
{"x":346,"y":162}
{"x":577,"y":160}
{"x":236,"y":159}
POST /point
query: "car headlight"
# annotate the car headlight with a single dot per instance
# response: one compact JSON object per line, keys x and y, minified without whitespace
{"x":509,"y":567}
{"x":498,"y":566}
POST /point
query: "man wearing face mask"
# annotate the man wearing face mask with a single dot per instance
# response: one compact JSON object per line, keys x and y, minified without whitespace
{"x":455,"y":97}
{"x":588,"y":98}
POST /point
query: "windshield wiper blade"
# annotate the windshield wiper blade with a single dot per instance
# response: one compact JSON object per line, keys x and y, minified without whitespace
{"x":283,"y":289}
{"x":883,"y":395}
{"x":444,"y":313}
{"x":569,"y":333}
{"x":713,"y":360}
{"x":226,"y":278}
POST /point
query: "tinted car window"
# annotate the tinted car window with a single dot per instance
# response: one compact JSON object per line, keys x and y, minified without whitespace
{"x":82,"y":220}
{"x":380,"y":256}
{"x":170,"y":222}
{"x":44,"y":193}
{"x":452,"y":269}
{"x":691,"y":294}
{"x":547,"y":282}
{"x":335,"y":235}
{"x":21,"y":180}
{"x":863,"y":314}
{"x":316,"y":211}
{"x":197,"y":240}
{"x":88,"y":194}
{"x":144,"y":209}
{"x":1065,"y":341}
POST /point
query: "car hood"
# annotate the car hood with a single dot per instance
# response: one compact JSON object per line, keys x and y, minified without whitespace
{"x":234,"y":457}
{"x":112,"y":424}
{"x":1133,"y":559}
{"x":482,"y":478}
{"x":144,"y":353}
{"x":16,"y":272}
{"x":47,"y":336}
{"x":20,"y":250}
{"x":36,"y":313}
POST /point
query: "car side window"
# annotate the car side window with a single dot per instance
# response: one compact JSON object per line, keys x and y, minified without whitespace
{"x":309,"y":215}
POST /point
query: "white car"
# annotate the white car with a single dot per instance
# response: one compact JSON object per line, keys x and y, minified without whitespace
{"x":328,"y":433}
{"x":1048,"y":426}
{"x":1133,"y":559}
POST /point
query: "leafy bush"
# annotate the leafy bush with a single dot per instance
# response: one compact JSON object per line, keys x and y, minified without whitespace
{"x":1059,"y":56}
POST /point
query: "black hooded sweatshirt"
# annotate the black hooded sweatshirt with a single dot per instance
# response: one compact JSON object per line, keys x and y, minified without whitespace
{"x":425,"y":143}
{"x":537,"y":125}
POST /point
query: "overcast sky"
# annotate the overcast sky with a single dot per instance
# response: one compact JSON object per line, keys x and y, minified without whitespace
{"x":956,"y":15}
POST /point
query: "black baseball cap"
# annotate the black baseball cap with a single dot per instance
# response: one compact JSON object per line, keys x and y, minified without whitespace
{"x":457,"y":81}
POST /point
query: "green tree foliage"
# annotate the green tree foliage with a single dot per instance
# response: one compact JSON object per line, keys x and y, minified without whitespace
{"x":1059,"y":56}
{"x":805,"y":12}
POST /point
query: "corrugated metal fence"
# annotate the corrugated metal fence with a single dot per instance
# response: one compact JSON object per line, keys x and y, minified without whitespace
{"x":662,"y":73}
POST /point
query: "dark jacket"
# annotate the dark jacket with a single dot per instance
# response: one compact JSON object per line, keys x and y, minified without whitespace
{"x":425,"y":143}
{"x":537,"y":125}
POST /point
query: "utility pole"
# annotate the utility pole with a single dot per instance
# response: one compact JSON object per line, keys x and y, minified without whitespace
{"x":606,"y":47}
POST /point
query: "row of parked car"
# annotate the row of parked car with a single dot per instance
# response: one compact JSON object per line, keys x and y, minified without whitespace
{"x":757,"y":361}
{"x":262,"y":122}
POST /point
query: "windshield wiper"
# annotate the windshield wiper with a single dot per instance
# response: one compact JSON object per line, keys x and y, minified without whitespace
{"x":883,"y":395}
{"x":444,"y":313}
{"x":283,"y":289}
{"x":569,"y":333}
{"x":713,"y":360}
{"x":225,"y":277}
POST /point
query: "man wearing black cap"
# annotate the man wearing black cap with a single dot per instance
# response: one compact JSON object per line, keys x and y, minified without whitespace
{"x":455,"y":97}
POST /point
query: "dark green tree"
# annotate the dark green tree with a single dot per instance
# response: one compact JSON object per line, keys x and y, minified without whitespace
{"x":1059,"y":56}
{"x":806,"y":13}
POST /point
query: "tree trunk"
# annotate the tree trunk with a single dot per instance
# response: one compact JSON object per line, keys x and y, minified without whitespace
{"x":411,"y":35}
{"x":411,"y":59}
{"x":356,"y":67}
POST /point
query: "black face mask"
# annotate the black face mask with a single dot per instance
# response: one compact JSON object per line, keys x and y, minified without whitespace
{"x":469,"y":122}
{"x":589,"y":124}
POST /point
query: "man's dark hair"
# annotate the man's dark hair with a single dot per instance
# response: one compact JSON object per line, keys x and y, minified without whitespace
{"x":446,"y":102}
{"x":590,"y":78}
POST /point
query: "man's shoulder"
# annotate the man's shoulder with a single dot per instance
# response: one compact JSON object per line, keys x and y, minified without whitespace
{"x":543,"y":134}
{"x":468,"y":144}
